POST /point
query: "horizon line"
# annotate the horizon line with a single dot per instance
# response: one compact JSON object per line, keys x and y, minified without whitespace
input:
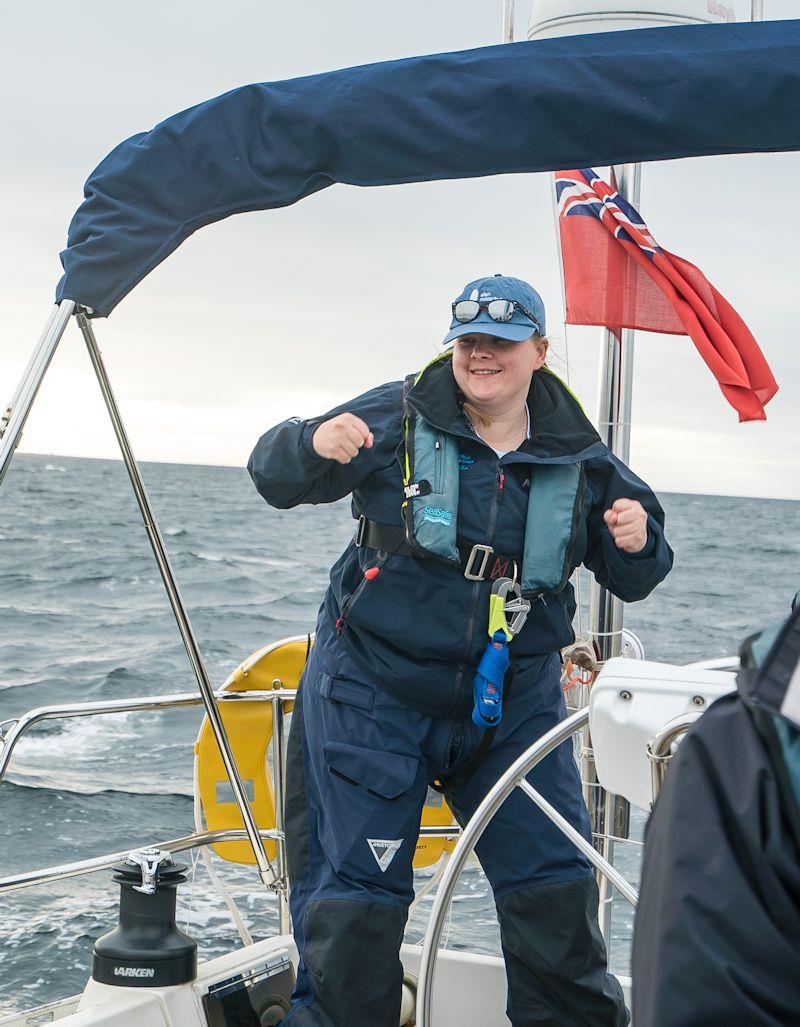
{"x":242,"y":467}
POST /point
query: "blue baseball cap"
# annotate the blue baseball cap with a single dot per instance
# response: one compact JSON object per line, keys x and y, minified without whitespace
{"x":499,"y":287}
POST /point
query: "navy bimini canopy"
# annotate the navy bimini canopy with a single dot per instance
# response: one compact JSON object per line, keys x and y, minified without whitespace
{"x":579,"y":101}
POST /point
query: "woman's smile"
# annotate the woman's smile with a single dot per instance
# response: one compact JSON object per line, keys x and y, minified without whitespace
{"x":495,"y":374}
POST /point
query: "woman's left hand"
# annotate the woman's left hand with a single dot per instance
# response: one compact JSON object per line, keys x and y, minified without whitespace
{"x":627,"y":522}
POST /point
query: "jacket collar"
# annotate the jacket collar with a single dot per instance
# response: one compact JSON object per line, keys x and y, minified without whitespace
{"x":769,"y":672}
{"x":559,"y":428}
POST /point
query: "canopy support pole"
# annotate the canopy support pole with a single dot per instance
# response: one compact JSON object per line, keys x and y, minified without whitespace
{"x":265,"y":869}
{"x":609,"y":813}
{"x":16,"y":413}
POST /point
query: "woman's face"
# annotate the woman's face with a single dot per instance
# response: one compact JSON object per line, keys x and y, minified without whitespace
{"x":495,"y":374}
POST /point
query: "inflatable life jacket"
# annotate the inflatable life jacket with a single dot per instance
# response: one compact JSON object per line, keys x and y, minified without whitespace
{"x":430,"y":465}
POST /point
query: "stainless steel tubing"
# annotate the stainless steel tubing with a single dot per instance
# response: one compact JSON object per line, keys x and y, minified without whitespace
{"x":16,"y":413}
{"x":730,"y":663}
{"x":257,"y":696}
{"x":265,"y":868}
{"x":614,"y":426}
{"x":282,"y":884}
{"x":658,"y":749}
{"x":88,"y":709}
{"x":577,"y":839}
{"x":756,"y":10}
{"x":15,"y":729}
{"x":470,"y":835}
{"x":48,"y":875}
{"x":605,"y":609}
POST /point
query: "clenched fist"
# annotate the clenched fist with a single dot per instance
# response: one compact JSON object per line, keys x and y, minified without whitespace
{"x":627,"y":522}
{"x":341,"y":438}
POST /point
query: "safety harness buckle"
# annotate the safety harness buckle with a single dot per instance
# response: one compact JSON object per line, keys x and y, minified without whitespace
{"x":482,"y":552}
{"x":361,"y":528}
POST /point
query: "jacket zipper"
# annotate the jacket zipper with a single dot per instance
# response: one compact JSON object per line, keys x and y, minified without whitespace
{"x":347,"y":604}
{"x":438,"y":470}
{"x":473,"y":603}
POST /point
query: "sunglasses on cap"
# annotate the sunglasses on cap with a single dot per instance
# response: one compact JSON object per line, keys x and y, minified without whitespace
{"x":498,"y":310}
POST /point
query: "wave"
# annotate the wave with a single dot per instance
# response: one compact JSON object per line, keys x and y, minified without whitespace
{"x":81,"y":737}
{"x":28,"y":610}
{"x":89,"y":579}
{"x":235,"y":559}
{"x":264,"y":561}
{"x":210,"y":557}
{"x":42,"y":781}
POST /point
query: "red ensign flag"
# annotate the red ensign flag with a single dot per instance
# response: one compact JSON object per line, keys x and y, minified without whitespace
{"x":616,"y":274}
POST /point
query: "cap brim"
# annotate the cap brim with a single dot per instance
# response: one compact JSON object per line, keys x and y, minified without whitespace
{"x":484,"y":325}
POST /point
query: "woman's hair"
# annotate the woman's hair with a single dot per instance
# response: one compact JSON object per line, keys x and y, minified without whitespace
{"x":477,"y":417}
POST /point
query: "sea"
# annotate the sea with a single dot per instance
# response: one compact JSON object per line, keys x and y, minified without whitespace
{"x":84,"y":616}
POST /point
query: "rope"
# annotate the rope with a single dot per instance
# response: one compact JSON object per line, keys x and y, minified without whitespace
{"x":191,"y":891}
{"x":557,"y":236}
{"x":577,"y":577}
{"x":227,"y":898}
{"x":429,"y":885}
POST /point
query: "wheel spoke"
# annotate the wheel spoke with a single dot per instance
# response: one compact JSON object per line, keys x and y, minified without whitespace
{"x":577,"y":839}
{"x":469,"y":836}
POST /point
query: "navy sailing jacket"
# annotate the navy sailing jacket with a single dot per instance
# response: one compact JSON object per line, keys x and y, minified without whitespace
{"x":718,"y":922}
{"x":419,"y":628}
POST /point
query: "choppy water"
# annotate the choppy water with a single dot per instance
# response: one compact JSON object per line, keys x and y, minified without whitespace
{"x":83,"y":616}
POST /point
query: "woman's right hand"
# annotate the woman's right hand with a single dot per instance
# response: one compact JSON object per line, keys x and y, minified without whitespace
{"x":341,"y":438}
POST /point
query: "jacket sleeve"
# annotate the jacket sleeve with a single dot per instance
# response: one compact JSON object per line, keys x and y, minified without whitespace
{"x":630,"y":576}
{"x":286,"y":470}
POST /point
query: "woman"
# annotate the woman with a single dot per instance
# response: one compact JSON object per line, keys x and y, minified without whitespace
{"x":482,"y":466}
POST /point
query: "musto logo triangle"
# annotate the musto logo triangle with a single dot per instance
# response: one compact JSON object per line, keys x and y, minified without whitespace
{"x":384,"y":849}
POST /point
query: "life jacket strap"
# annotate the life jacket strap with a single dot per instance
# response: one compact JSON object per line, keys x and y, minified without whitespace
{"x":478,"y":561}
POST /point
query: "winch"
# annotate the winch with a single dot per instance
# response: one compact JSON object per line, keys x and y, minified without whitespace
{"x":146,"y":949}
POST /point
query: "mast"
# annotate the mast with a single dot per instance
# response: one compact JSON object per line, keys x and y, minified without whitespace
{"x":609,"y":814}
{"x":614,"y":405}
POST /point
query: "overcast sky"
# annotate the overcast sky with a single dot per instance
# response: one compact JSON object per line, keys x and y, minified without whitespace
{"x":291,"y":311}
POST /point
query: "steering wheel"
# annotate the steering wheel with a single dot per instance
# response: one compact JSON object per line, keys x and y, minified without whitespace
{"x":514,"y":777}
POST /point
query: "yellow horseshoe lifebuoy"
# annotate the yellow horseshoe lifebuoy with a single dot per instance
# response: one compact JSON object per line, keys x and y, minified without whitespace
{"x":249,"y":726}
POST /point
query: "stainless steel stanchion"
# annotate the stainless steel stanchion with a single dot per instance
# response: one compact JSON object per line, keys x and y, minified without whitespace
{"x":265,"y":868}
